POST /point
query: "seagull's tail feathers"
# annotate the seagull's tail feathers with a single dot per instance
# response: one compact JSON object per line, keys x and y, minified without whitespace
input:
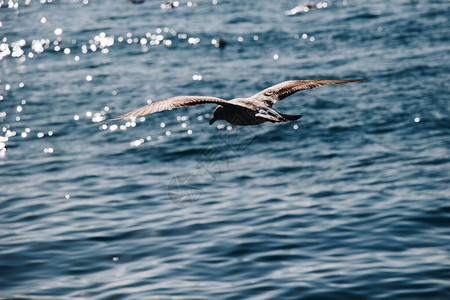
{"x":290,"y":118}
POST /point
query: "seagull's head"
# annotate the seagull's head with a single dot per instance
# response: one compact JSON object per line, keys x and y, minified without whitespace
{"x":218,"y":114}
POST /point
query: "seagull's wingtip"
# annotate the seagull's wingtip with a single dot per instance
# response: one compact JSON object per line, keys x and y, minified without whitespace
{"x":125,"y":116}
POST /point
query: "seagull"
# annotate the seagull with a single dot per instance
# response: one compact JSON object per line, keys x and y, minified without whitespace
{"x":253,"y":110}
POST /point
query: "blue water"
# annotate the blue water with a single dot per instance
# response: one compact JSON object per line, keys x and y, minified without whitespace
{"x":351,"y":201}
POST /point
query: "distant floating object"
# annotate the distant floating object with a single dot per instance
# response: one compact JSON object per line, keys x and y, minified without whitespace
{"x":136,"y":1}
{"x":170,"y":4}
{"x":219,"y":42}
{"x":303,"y":8}
{"x":254,"y":110}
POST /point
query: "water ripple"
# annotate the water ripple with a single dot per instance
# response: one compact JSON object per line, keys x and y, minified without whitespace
{"x":349,"y":202}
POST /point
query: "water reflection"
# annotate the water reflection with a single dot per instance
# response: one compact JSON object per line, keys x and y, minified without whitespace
{"x":304,"y":8}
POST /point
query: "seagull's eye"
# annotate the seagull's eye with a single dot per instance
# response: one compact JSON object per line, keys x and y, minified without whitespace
{"x":268,"y":93}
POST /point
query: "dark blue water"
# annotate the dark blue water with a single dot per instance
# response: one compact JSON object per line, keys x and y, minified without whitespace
{"x":351,"y":201}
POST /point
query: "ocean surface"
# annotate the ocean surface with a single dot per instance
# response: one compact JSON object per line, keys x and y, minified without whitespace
{"x":352,"y":201}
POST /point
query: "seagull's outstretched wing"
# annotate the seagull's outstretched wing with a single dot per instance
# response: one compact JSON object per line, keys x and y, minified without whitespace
{"x":282,"y":90}
{"x":168,"y":104}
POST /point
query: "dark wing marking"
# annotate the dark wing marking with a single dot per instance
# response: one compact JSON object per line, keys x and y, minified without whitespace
{"x":167,"y":104}
{"x":282,"y":90}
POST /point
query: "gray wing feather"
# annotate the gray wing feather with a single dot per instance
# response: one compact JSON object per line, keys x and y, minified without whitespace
{"x":285,"y":89}
{"x":170,"y":103}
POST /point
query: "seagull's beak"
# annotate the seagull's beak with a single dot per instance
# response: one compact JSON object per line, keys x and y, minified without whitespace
{"x":212,"y":120}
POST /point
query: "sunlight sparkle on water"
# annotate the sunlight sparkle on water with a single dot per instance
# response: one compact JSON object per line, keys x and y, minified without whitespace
{"x":98,"y":117}
{"x":193,"y":41}
{"x":131,"y":123}
{"x":137,"y":143}
{"x":48,"y":150}
{"x":103,"y":41}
